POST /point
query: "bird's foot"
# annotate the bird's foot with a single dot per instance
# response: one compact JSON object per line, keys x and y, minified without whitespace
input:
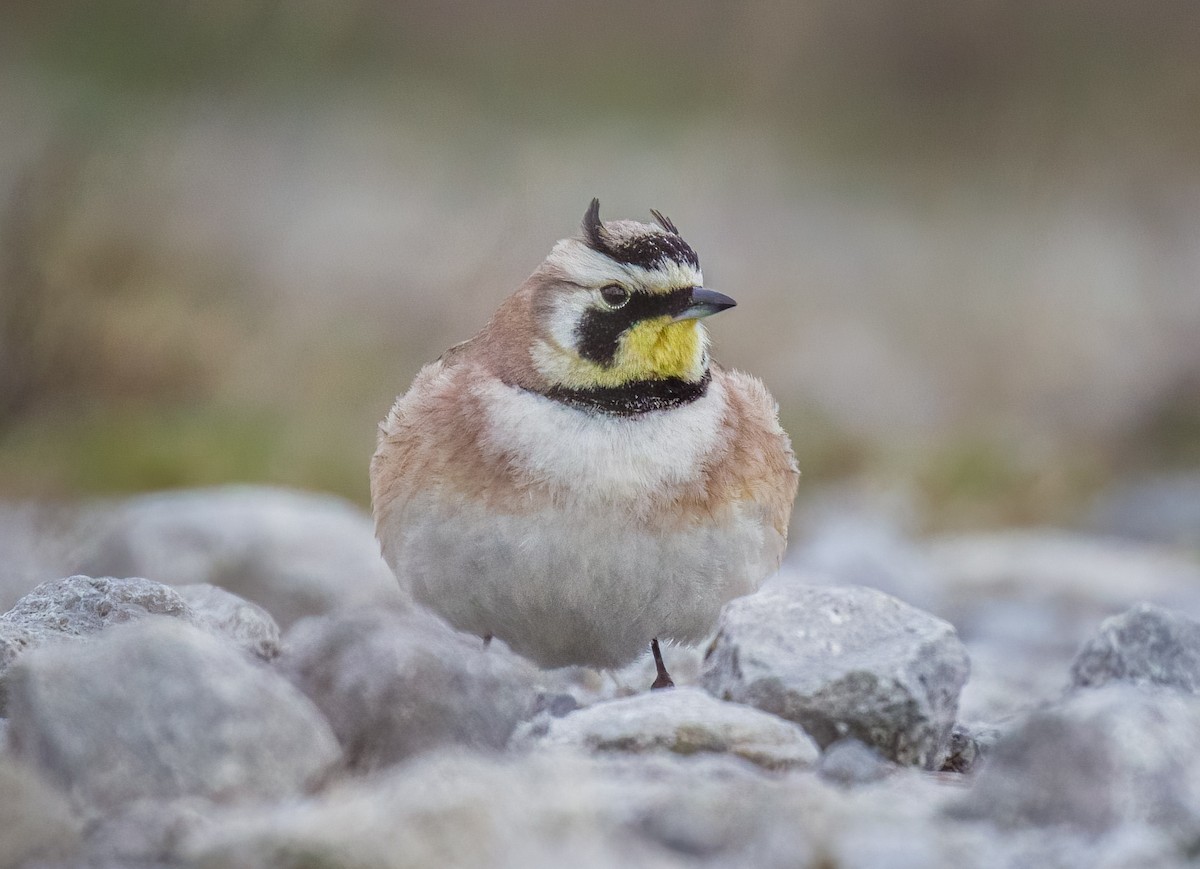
{"x":664,"y":678}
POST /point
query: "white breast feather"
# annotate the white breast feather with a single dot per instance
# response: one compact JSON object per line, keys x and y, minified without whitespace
{"x":599,"y":457}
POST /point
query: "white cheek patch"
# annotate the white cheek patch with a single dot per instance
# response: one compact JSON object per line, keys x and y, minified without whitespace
{"x":553,"y":363}
{"x":566,"y":313}
{"x":597,"y":457}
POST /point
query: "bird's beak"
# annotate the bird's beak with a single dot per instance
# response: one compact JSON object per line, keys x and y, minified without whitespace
{"x":703,"y":303}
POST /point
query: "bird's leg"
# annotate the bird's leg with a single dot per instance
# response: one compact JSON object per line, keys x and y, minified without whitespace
{"x":487,"y":639}
{"x":664,"y":678}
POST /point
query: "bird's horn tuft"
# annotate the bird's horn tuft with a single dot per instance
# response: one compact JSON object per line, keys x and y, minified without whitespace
{"x":664,"y":221}
{"x":593,"y":229}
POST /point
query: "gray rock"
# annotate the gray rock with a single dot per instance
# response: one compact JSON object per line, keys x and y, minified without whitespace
{"x":559,"y":808}
{"x":1113,"y":756}
{"x":145,"y":831}
{"x":555,"y":705}
{"x":292,"y":553}
{"x":36,"y":823}
{"x":395,"y":683}
{"x":76,"y":607}
{"x":13,"y":643}
{"x":685,"y":721}
{"x":222,"y":613}
{"x":80,"y":606}
{"x":159,"y":709}
{"x":1144,"y":645}
{"x":849,"y":762}
{"x":843,"y":662}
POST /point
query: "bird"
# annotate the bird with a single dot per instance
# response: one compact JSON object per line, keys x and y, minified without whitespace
{"x":580,"y":479}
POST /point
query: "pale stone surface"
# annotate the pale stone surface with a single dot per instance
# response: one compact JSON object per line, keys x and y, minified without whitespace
{"x":1100,"y":759}
{"x":843,"y":662}
{"x":1143,"y":645}
{"x":849,"y":762}
{"x":160,"y":709}
{"x":247,"y":624}
{"x":559,"y":808}
{"x":36,"y":823}
{"x":682,"y":720}
{"x":394,"y":683}
{"x":77,"y":607}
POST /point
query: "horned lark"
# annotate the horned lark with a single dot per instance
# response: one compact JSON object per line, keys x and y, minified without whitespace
{"x":580,"y":479}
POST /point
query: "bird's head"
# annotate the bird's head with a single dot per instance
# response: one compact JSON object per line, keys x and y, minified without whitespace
{"x":621,"y":304}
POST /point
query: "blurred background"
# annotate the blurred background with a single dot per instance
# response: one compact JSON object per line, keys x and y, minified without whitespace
{"x":964,"y":236}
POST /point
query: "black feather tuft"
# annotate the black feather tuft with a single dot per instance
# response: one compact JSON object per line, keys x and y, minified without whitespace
{"x":664,"y":221}
{"x":647,"y":251}
{"x":593,"y":229}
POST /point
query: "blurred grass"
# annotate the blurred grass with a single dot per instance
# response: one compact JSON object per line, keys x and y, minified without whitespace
{"x":129,"y":448}
{"x":937,"y":81}
{"x":131,"y":360}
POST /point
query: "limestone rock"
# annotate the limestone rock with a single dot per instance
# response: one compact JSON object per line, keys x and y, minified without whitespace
{"x":843,"y":662}
{"x":36,"y":823}
{"x":1144,"y":645}
{"x":75,"y":607}
{"x":80,"y":606}
{"x":560,"y":807}
{"x":396,"y":683}
{"x":247,"y":624}
{"x":160,"y":709}
{"x":849,"y":762}
{"x":684,"y":721}
{"x":1099,"y":760}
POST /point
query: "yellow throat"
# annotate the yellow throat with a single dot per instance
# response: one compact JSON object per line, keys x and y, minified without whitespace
{"x":655,"y":349}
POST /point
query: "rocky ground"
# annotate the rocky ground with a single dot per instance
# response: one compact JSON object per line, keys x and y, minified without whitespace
{"x":231,"y":678}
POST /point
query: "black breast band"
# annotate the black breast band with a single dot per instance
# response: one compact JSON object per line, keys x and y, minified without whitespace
{"x":635,"y":397}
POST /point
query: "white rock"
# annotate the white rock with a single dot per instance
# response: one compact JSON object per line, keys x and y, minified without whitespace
{"x":1024,"y":602}
{"x":684,"y":721}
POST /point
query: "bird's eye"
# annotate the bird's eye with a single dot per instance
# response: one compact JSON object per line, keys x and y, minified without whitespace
{"x":614,"y":295}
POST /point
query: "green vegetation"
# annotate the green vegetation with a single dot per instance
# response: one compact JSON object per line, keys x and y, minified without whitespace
{"x":144,"y":343}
